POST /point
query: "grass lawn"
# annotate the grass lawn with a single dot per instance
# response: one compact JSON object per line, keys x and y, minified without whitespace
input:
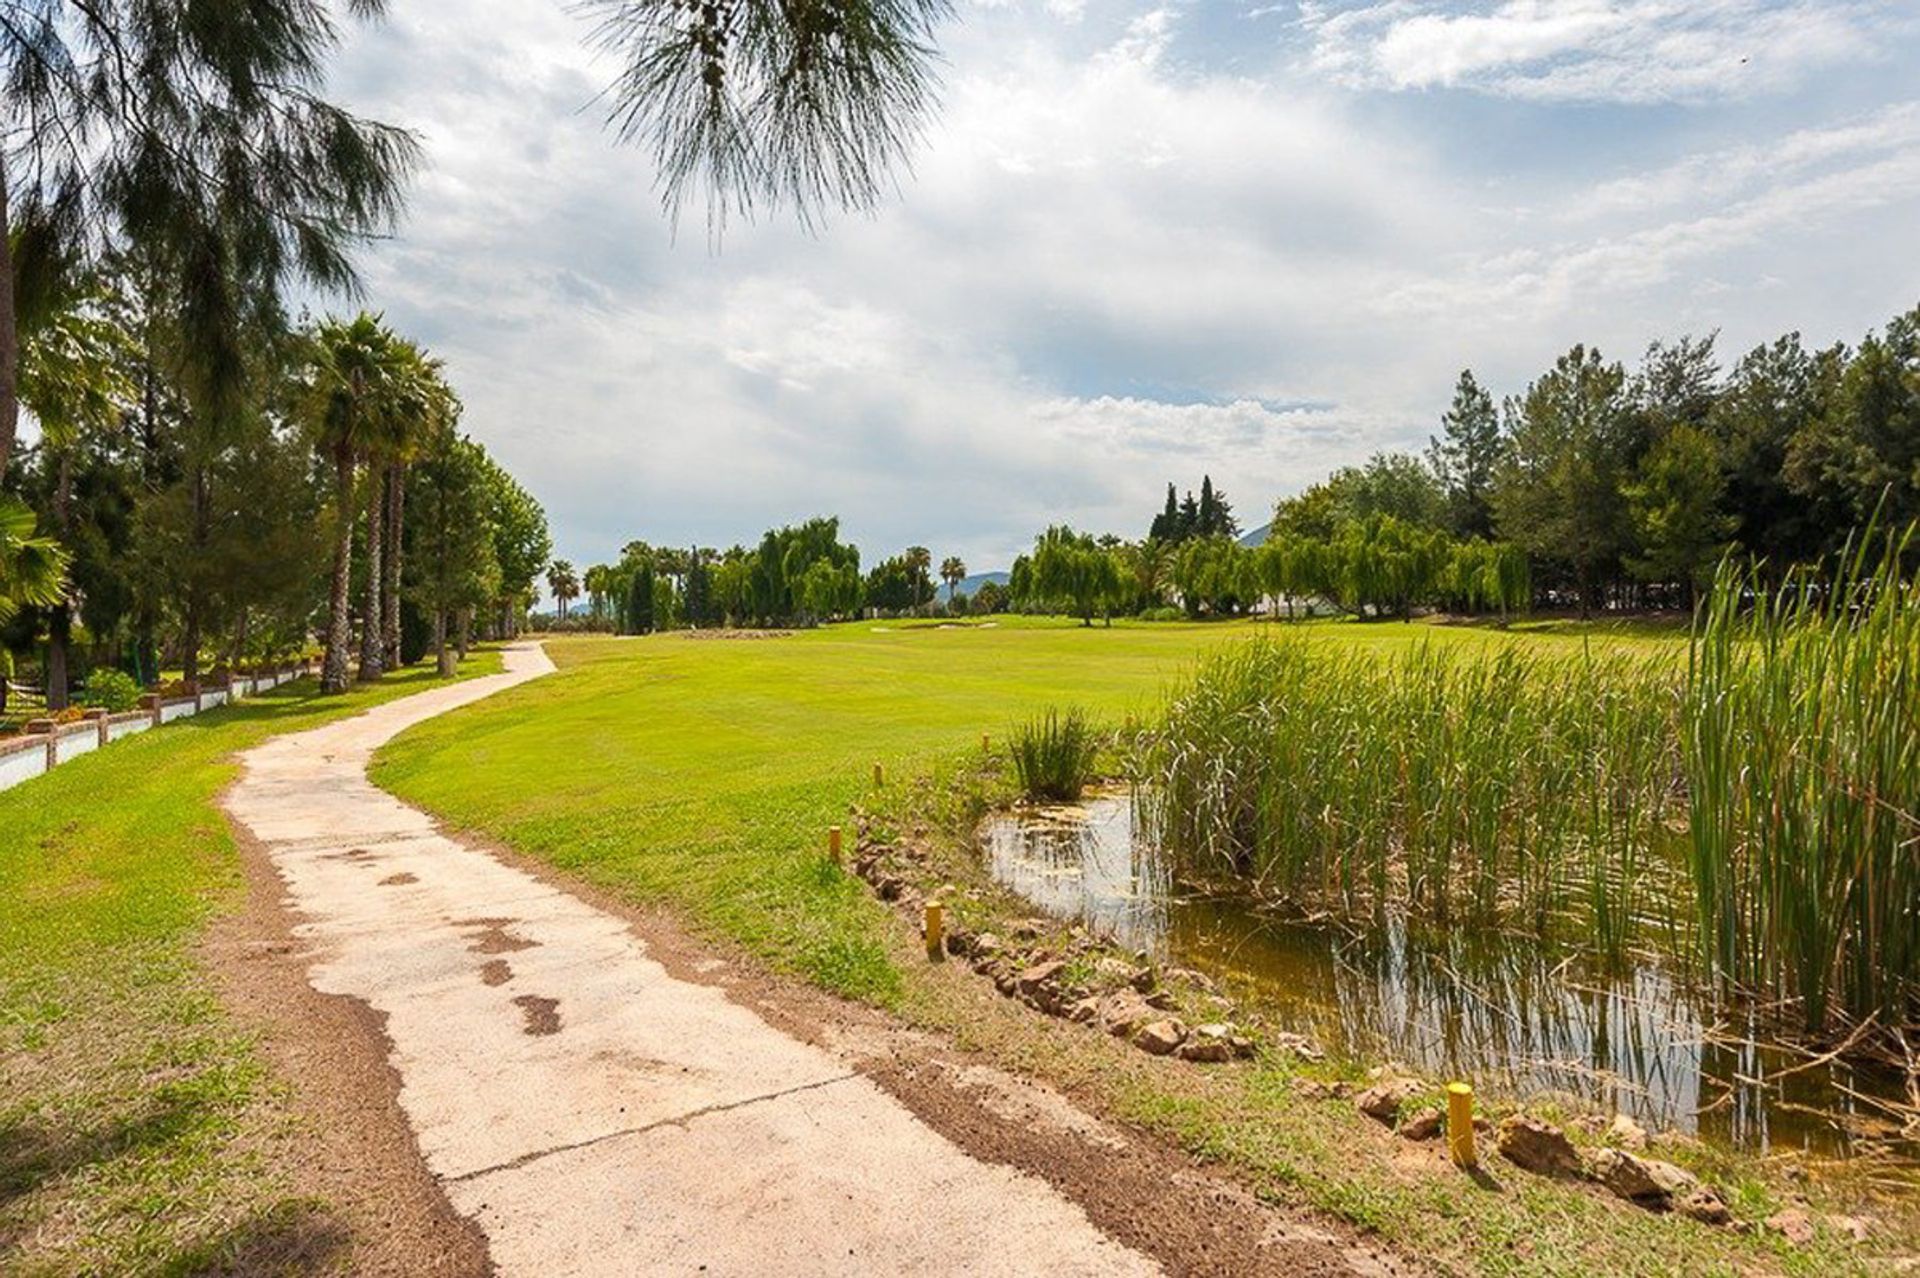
{"x":139,"y":1130}
{"x":703,"y":773}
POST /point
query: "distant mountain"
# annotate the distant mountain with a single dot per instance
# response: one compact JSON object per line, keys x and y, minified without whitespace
{"x":1258,"y":537}
{"x":971,"y":585}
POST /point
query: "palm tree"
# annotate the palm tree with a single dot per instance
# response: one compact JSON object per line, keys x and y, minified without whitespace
{"x":33,"y":568}
{"x":919,"y":565}
{"x":353,"y":368}
{"x":204,"y":140}
{"x":953,"y":572}
{"x":564,"y":584}
{"x":424,"y":407}
{"x":70,"y":376}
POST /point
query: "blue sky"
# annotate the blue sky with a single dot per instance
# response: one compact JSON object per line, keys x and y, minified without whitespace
{"x":1140,"y":242}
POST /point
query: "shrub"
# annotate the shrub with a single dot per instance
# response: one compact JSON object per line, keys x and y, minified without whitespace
{"x":113,"y":690}
{"x":1162,"y":614}
{"x":1053,"y":756}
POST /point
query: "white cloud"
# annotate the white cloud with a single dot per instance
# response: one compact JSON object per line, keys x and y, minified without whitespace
{"x":1597,"y":50}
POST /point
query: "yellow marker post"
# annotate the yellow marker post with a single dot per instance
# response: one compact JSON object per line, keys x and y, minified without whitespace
{"x":986,"y":743}
{"x":1460,"y":1124}
{"x":833,"y":843}
{"x":879,"y":776}
{"x":936,"y":928}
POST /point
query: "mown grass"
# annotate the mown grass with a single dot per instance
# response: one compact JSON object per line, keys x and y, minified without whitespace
{"x":703,"y":774}
{"x":140,"y":1131}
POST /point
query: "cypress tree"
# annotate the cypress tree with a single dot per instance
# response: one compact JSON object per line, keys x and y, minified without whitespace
{"x":640,"y":601}
{"x":699,"y":590}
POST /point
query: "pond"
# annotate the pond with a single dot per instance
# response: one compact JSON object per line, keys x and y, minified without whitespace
{"x":1509,"y":1014}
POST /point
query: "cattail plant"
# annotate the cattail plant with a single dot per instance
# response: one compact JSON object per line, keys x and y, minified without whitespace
{"x":1802,"y":744}
{"x":1053,"y":756}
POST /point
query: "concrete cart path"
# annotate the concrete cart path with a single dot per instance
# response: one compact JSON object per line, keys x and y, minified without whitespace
{"x":593,"y":1114}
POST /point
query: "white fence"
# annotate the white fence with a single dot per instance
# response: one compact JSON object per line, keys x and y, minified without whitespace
{"x":46,"y":745}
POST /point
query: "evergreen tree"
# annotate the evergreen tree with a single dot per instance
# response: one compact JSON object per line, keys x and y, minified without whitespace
{"x":1189,"y":525}
{"x":698,"y":591}
{"x":1166,"y":524}
{"x":1464,"y":455}
{"x":639,"y":618}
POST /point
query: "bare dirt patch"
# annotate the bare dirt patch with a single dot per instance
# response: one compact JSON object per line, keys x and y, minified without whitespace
{"x":493,"y":936}
{"x":348,"y":1145}
{"x":543,"y":1014}
{"x":395,"y":880}
{"x":496,"y":972}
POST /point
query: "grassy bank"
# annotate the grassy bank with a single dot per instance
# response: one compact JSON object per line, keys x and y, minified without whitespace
{"x":139,"y":1130}
{"x":702,"y":774}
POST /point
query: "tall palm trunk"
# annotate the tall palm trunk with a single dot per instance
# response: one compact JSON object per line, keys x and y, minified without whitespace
{"x":60,"y":621}
{"x":333,"y":677}
{"x":370,"y":609}
{"x":9,"y":332}
{"x":390,"y":565}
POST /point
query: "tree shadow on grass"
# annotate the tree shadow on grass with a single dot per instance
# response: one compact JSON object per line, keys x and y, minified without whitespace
{"x":287,"y":1238}
{"x":34,"y":1154}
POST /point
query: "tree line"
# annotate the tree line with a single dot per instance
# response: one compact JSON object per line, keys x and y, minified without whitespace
{"x":331,"y":492}
{"x":1596,"y":487}
{"x":1624,"y":487}
{"x":798,"y":575}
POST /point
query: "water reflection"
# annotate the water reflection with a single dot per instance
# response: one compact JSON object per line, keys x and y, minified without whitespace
{"x":1501,"y":1010}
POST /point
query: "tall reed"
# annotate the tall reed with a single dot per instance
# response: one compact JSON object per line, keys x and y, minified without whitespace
{"x":1485,"y":786}
{"x":1802,"y":742}
{"x":1053,"y":756}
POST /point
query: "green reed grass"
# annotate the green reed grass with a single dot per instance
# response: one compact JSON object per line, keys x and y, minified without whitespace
{"x":1802,"y":740}
{"x":1505,"y":786}
{"x":1053,"y":755}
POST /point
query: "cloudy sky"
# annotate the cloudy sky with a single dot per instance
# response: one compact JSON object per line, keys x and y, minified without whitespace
{"x":1141,"y":242}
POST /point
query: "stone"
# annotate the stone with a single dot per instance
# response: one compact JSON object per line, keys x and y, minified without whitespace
{"x":1422,"y":1124}
{"x":1208,"y":1043}
{"x":1187,"y":976}
{"x":1242,"y":1046}
{"x":1792,"y":1224}
{"x":1646,"y":1181}
{"x":1704,"y":1204}
{"x":959,"y":941}
{"x":1624,"y":1133}
{"x":1849,"y":1227}
{"x":1084,"y":1012}
{"x":986,"y":945}
{"x":1383,"y":1100}
{"x":1143,"y":978}
{"x":1111,"y":971}
{"x":1299,"y":1045}
{"x":1537,"y":1146}
{"x":1160,"y":1037}
{"x":1122,"y":1013}
{"x":1205,"y":1050}
{"x":1163,"y":1000}
{"x":889,"y":887}
{"x":1041,"y":977}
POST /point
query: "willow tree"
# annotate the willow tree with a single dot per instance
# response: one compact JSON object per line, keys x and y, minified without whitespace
{"x":761,"y":103}
{"x":197,"y":132}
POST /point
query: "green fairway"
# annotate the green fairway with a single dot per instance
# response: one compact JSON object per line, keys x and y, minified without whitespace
{"x":139,"y":1129}
{"x":699,"y":770}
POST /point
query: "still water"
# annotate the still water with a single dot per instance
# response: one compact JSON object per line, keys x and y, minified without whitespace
{"x":1501,"y":1010}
